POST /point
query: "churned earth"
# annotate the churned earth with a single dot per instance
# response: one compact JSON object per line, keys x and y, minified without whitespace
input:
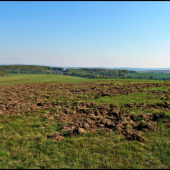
{"x":78,"y":108}
{"x":84,"y":124}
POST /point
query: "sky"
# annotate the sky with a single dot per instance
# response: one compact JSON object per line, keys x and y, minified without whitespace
{"x":85,"y":34}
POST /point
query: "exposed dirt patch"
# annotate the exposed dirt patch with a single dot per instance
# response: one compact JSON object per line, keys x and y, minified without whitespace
{"x":111,"y":120}
{"x":56,"y":137}
{"x":81,"y":117}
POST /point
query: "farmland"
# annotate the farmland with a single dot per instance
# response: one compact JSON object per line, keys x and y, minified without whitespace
{"x":36,"y":78}
{"x":148,"y":74}
{"x":57,"y":121}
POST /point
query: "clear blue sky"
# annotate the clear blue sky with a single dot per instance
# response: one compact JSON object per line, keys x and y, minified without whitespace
{"x":85,"y":34}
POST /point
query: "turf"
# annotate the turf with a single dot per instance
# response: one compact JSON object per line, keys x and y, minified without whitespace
{"x":23,"y":142}
{"x":33,"y":78}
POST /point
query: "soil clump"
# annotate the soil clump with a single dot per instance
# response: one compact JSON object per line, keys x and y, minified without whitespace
{"x":79,"y":117}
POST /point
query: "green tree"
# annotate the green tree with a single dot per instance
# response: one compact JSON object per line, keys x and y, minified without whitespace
{"x":2,"y":72}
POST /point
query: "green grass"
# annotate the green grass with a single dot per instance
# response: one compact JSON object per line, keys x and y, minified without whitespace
{"x":24,"y":145}
{"x":155,"y":75}
{"x":131,"y":98}
{"x":35,"y":78}
{"x":23,"y":142}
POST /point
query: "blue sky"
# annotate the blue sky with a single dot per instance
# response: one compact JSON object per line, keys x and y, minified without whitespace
{"x":85,"y":34}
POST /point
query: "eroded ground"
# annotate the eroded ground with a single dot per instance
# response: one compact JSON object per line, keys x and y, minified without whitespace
{"x":91,"y":106}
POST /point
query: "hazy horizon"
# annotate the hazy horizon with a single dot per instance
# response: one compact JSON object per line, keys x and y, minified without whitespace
{"x":86,"y":34}
{"x":137,"y":68}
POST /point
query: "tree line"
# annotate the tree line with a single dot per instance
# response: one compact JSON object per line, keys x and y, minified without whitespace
{"x":29,"y":69}
{"x":92,"y":73}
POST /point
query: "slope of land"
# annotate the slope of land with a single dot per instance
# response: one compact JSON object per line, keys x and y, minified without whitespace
{"x":90,"y":73}
{"x":81,"y":123}
{"x":83,"y":72}
{"x":35,"y":78}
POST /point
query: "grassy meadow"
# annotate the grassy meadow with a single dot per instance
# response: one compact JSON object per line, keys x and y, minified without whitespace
{"x":155,"y":75}
{"x":23,"y":141}
{"x":37,"y":78}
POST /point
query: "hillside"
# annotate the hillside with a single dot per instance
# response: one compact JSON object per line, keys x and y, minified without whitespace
{"x":58,"y":121}
{"x":91,"y":73}
{"x":83,"y":72}
{"x":30,"y":69}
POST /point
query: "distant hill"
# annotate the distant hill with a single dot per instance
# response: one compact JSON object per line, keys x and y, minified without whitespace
{"x":118,"y":68}
{"x":107,"y":68}
{"x":31,"y":69}
{"x":141,"y":69}
{"x":78,"y":72}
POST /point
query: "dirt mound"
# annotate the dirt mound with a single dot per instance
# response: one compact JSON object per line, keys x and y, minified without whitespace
{"x":79,"y":117}
{"x":133,"y":136}
{"x":31,"y":97}
{"x":113,"y":120}
{"x":56,"y":137}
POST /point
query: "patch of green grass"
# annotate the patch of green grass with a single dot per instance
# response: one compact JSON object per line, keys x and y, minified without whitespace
{"x":35,"y":78}
{"x":120,"y":100}
{"x":102,"y":150}
{"x":158,"y":88}
{"x":155,"y":75}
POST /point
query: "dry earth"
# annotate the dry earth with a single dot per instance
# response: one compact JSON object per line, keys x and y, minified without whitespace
{"x":80,"y":117}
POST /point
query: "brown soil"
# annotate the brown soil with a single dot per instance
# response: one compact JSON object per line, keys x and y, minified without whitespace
{"x":109,"y":119}
{"x":29,"y":97}
{"x":56,"y":137}
{"x":82,"y":117}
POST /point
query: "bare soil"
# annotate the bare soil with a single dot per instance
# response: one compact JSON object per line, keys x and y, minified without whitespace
{"x":81,"y":117}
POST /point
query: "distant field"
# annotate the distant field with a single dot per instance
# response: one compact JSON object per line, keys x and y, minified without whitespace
{"x":35,"y":78}
{"x":155,"y":75}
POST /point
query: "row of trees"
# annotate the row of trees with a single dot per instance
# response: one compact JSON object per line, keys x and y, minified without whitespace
{"x":29,"y":69}
{"x":92,"y":73}
{"x":83,"y":72}
{"x":97,"y":73}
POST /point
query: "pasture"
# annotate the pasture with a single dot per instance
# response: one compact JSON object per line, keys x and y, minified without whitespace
{"x":155,"y":75}
{"x":55,"y":121}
